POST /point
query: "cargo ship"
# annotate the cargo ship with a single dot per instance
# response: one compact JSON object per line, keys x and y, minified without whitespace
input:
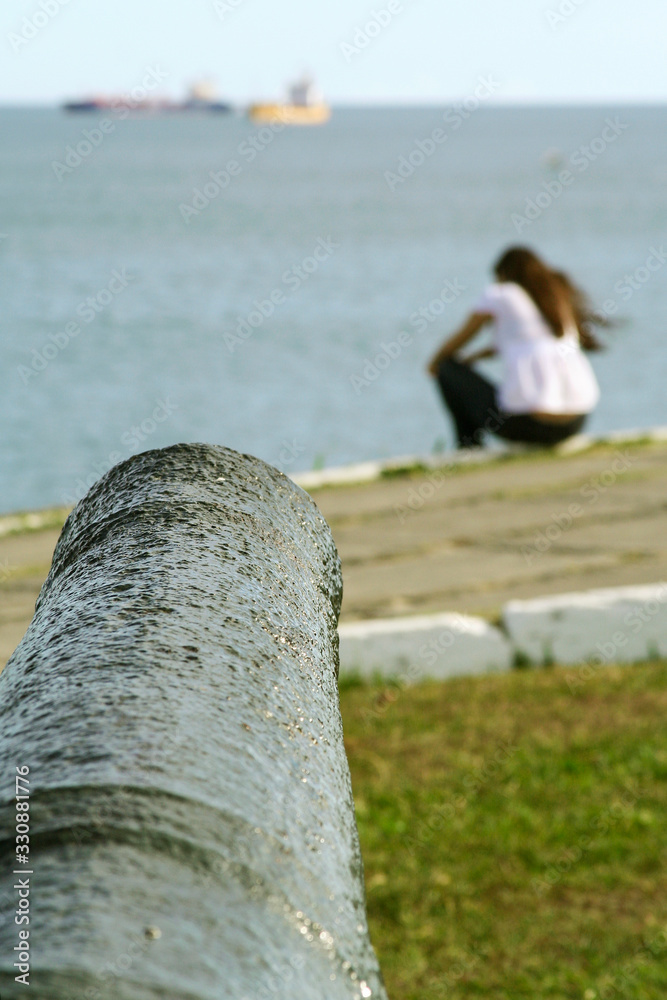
{"x":201,"y":98}
{"x":305,"y":106}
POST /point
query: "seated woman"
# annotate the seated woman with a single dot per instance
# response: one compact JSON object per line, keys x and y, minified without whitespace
{"x":542,"y":322}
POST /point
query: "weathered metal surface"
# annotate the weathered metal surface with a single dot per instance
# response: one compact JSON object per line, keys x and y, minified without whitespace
{"x":192,"y":829}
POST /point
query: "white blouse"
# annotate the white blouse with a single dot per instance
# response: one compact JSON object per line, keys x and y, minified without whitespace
{"x":541,"y":372}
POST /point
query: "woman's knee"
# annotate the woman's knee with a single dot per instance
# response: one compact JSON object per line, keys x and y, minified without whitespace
{"x":449,"y":371}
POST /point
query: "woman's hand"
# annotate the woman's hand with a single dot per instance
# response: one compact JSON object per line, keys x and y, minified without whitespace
{"x":487,"y":352}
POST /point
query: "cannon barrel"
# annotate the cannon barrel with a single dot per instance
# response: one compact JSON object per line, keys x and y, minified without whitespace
{"x":192,"y":830}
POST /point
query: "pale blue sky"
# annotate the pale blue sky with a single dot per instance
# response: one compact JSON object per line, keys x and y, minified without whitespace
{"x":431,"y":50}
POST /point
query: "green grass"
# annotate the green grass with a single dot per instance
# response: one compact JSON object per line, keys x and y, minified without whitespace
{"x":513,"y":833}
{"x":38,"y":520}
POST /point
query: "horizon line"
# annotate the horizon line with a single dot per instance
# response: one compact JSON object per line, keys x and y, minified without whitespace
{"x":519,"y":102}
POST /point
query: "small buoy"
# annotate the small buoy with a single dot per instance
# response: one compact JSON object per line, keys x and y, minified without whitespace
{"x":153,"y":933}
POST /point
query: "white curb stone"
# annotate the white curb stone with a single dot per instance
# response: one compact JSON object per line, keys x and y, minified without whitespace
{"x":368,"y":472}
{"x":340,"y":475}
{"x":424,"y":647}
{"x":615,"y":625}
{"x":37,"y":520}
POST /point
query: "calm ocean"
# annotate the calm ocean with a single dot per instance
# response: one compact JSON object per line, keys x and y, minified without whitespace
{"x":136,"y":313}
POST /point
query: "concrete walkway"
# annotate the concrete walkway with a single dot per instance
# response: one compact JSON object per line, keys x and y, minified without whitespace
{"x":468,"y":538}
{"x":516,"y":528}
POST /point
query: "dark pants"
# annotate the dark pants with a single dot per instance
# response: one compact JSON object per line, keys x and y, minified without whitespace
{"x":473,"y":403}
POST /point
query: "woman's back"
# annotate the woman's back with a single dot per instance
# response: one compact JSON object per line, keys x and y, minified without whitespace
{"x":542,"y":372}
{"x":518,"y":319}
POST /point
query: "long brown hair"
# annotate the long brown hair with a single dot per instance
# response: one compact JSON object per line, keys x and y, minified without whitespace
{"x":559,"y":300}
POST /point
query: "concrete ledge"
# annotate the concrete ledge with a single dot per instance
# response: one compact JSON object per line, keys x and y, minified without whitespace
{"x":368,"y":472}
{"x":428,"y":646}
{"x":618,"y":624}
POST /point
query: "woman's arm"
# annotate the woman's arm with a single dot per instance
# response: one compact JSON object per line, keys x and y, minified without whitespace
{"x":472,"y":325}
{"x":486,"y":352}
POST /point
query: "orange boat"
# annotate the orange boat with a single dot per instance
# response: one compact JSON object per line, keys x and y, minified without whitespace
{"x":304,"y":107}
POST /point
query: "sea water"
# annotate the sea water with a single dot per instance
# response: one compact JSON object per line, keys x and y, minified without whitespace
{"x":280,"y":291}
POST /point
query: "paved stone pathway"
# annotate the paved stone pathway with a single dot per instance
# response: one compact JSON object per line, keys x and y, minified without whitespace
{"x":467,"y":539}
